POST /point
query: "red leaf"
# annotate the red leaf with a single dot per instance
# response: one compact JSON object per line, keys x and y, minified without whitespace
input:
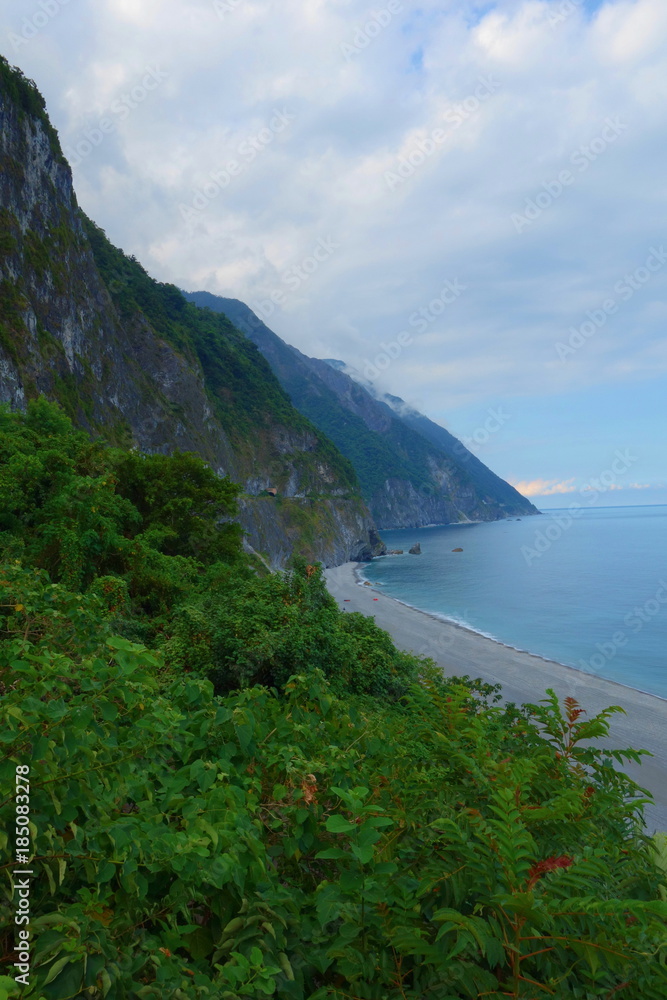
{"x":547,"y":865}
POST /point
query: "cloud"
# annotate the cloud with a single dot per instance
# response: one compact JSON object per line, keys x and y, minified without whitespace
{"x":545,"y":487}
{"x":553,"y":487}
{"x":479,"y":109}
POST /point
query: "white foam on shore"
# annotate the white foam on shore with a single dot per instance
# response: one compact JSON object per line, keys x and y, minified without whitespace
{"x":362,"y":581}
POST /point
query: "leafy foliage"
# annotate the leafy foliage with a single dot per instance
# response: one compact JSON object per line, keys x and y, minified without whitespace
{"x":262,"y":631}
{"x":80,"y":510}
{"x":263,"y":797}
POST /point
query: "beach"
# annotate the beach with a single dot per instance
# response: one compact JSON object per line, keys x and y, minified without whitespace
{"x":523,"y":676}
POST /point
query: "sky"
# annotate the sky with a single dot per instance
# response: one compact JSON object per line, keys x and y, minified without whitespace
{"x":464,"y":200}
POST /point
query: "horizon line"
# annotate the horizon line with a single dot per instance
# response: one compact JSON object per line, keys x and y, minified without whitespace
{"x":617,"y":506}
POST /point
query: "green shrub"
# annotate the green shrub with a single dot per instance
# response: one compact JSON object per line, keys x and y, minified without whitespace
{"x":262,"y":631}
{"x":332,"y":819}
{"x":81,"y":510}
{"x":315,"y":847}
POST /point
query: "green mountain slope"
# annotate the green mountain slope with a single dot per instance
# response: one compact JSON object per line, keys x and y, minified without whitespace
{"x":412,"y":472}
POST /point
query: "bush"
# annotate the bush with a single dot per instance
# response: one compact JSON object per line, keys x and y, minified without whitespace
{"x":81,"y":510}
{"x":262,"y":631}
{"x":312,"y":846}
{"x":346,"y":823}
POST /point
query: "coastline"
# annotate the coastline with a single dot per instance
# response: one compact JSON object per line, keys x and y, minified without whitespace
{"x":524,"y":677}
{"x":359,"y":579}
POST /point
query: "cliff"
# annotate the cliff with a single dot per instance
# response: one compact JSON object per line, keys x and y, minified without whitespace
{"x":412,"y":472}
{"x":130,"y":360}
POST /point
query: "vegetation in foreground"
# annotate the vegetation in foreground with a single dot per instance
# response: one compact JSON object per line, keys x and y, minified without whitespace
{"x":238,"y":791}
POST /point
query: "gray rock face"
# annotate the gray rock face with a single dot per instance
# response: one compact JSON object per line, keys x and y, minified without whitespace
{"x":62,"y":335}
{"x":416,"y":550}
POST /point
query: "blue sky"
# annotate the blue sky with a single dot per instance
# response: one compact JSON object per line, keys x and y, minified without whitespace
{"x":343,"y":166}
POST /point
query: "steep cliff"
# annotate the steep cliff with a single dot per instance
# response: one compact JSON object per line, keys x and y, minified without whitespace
{"x":412,"y":471}
{"x":130,"y":359}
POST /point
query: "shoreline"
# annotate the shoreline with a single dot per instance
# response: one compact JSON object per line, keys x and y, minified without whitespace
{"x":524,"y":676}
{"x":360,"y":580}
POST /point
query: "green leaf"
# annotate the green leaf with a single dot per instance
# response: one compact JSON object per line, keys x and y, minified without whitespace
{"x":285,"y":965}
{"x":234,"y":925}
{"x":108,"y":711}
{"x":386,"y":868}
{"x":115,"y":642}
{"x":363,"y":854}
{"x":55,"y":919}
{"x":105,"y":979}
{"x":106,"y":872}
{"x":7,"y":985}
{"x":50,"y":878}
{"x":57,"y":968}
{"x":338,"y":824}
{"x":199,"y":943}
{"x":378,"y":821}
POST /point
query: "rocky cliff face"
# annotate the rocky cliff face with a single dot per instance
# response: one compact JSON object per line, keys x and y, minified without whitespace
{"x":332,"y":530}
{"x":412,"y":472}
{"x":128,"y":358}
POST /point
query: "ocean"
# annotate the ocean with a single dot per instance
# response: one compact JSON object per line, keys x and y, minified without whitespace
{"x":585,"y":587}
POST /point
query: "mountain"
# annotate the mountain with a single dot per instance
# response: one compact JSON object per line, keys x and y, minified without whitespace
{"x":485,"y":481}
{"x":131,"y":360}
{"x":412,"y":472}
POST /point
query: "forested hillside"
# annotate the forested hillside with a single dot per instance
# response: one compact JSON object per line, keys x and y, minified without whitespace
{"x":411,"y":471}
{"x":237,"y":790}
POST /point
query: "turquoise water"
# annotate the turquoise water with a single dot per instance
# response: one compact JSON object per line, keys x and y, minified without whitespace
{"x":586,"y":588}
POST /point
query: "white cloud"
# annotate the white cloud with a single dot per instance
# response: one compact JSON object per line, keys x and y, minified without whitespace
{"x":630,"y":31}
{"x":558,"y":84}
{"x":545,"y":487}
